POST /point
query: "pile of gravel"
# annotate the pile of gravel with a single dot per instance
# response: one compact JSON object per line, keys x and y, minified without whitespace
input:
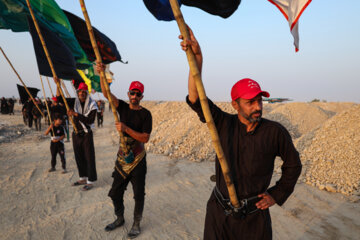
{"x":332,"y":160}
{"x":325,"y":134}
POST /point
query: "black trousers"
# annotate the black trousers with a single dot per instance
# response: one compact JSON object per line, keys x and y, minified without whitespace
{"x":218,"y":226}
{"x":83,"y":144}
{"x":30,"y":119}
{"x":37,"y":122}
{"x":137,"y":179}
{"x":100,"y":119}
{"x":57,"y":148}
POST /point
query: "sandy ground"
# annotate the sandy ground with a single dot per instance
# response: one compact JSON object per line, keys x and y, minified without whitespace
{"x":35,"y":204}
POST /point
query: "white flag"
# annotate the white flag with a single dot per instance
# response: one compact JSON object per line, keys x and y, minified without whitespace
{"x":292,"y":10}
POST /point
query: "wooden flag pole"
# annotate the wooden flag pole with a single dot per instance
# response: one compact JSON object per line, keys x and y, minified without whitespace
{"x":64,"y":87}
{"x":56,"y":79}
{"x":27,"y":90}
{"x":52,"y":94}
{"x":46,"y":104}
{"x":102,"y":73}
{"x":205,"y":106}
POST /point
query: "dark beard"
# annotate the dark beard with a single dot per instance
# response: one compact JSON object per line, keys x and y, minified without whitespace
{"x":250,"y":118}
{"x":134,"y":102}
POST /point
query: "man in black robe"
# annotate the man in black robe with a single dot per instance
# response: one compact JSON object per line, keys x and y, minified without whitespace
{"x":4,"y":106}
{"x":11,"y":106}
{"x":250,"y":145}
{"x":29,"y":105}
{"x":84,"y":114}
{"x":37,"y":114}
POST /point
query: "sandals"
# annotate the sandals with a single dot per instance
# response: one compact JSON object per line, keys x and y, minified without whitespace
{"x":78,"y":183}
{"x":87,"y":187}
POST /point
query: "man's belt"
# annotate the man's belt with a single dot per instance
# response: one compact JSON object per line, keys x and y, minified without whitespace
{"x":247,"y":206}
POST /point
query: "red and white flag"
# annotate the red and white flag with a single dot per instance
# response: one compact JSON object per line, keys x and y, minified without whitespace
{"x":292,"y":10}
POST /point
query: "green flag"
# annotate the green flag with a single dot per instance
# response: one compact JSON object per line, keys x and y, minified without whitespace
{"x":94,"y":78}
{"x":14,"y":13}
{"x":91,"y":76}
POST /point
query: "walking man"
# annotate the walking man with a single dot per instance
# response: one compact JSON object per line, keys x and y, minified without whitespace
{"x":37,"y":114}
{"x":100,"y":113}
{"x":84,"y":114}
{"x":250,"y":144}
{"x":136,"y":124}
{"x":28,"y":106}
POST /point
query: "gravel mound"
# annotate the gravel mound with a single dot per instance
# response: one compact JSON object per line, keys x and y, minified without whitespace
{"x":325,"y":134}
{"x":300,"y":118}
{"x":332,"y":159}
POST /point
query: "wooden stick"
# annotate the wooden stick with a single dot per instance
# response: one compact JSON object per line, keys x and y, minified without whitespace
{"x":27,"y":90}
{"x":52,"y":94}
{"x":102,"y":73}
{"x":205,"y":106}
{"x":56,"y":79}
{"x":64,"y":87}
{"x":46,"y":104}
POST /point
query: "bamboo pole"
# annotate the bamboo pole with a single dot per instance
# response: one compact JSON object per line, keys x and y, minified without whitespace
{"x":46,"y":104}
{"x":27,"y":90}
{"x":102,"y":73}
{"x":205,"y":106}
{"x":56,"y":79}
{"x":65,"y":89}
{"x":52,"y":94}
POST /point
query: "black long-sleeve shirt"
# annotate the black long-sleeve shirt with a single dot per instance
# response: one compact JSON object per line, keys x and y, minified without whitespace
{"x":251,"y":155}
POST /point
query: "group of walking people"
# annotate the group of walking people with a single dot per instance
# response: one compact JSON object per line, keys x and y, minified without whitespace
{"x":7,"y":106}
{"x":249,"y":141}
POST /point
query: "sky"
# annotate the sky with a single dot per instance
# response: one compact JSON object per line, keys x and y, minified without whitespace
{"x":255,"y":42}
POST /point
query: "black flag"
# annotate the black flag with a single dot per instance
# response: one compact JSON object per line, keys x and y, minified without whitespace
{"x":61,"y":57}
{"x":222,"y":8}
{"x":107,"y":47}
{"x":24,"y":96}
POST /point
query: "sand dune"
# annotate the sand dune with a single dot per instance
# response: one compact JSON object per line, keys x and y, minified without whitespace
{"x":36,"y":204}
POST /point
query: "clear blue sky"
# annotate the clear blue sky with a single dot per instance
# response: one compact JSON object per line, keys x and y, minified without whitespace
{"x":254,"y":42}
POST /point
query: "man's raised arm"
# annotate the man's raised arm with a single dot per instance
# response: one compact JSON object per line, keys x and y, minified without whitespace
{"x":195,"y":47}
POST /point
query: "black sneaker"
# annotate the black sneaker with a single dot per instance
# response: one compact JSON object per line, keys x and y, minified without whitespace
{"x":117,"y":223}
{"x":52,"y":170}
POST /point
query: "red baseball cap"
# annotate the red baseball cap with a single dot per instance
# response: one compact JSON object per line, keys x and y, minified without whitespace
{"x":247,"y":88}
{"x":54,"y":99}
{"x":137,"y":85}
{"x":82,"y":86}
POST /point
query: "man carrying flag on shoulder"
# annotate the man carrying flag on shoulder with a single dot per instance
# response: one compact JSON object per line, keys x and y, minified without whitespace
{"x":84,"y":114}
{"x":250,"y":145}
{"x":136,"y":124}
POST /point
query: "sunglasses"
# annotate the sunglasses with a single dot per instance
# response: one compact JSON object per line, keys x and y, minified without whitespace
{"x":138,"y":94}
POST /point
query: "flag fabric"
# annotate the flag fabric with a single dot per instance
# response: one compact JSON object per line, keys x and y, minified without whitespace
{"x":222,"y":8}
{"x":161,"y":9}
{"x":292,"y":10}
{"x":14,"y":13}
{"x":92,"y":76}
{"x":107,"y":47}
{"x":86,"y":79}
{"x":24,"y":96}
{"x":60,"y":54}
